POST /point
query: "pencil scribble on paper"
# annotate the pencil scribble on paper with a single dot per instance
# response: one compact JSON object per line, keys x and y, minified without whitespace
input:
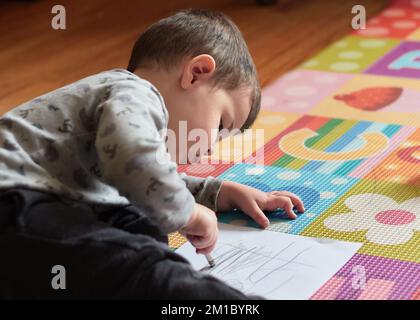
{"x":271,"y":264}
{"x":250,"y":268}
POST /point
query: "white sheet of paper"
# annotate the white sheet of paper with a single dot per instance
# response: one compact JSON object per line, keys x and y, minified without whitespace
{"x":271,"y":264}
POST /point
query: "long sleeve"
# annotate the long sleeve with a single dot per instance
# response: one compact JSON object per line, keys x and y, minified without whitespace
{"x":134,"y":158}
{"x":204,"y":190}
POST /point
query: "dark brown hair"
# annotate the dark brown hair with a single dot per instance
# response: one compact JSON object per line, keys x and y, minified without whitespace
{"x":192,"y":32}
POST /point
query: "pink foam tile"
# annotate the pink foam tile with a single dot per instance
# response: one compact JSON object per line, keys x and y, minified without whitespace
{"x":330,"y":289}
{"x":416,"y":295}
{"x":300,"y":90}
{"x":376,"y":289}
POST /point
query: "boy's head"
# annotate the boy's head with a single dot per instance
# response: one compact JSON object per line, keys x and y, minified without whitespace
{"x":200,"y":63}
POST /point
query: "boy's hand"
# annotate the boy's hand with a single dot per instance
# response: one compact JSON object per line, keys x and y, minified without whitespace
{"x":252,"y":201}
{"x":201,"y":230}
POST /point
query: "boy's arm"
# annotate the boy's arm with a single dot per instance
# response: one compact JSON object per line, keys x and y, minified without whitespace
{"x":134,"y":159}
{"x":204,"y":190}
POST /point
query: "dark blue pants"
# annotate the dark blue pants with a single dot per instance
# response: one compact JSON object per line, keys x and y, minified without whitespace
{"x":119,"y":254}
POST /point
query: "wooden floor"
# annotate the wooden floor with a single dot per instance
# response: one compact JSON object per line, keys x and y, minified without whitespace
{"x":35,"y":59}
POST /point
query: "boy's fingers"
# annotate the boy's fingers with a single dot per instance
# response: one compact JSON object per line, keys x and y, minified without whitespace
{"x":286,"y":204}
{"x":203,"y":243}
{"x":295,"y":199}
{"x":256,"y":213}
{"x":209,"y":248}
{"x":198,"y":242}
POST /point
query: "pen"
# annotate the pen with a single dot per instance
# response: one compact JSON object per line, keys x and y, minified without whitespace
{"x":210,"y":260}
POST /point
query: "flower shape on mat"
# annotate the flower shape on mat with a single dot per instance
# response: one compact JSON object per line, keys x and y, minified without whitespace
{"x":387,"y":222}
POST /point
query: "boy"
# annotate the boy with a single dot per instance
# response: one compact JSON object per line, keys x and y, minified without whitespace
{"x":86,"y":183}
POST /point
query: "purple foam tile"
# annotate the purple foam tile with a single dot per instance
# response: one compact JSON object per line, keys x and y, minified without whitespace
{"x":404,"y":275}
{"x":403,"y":61}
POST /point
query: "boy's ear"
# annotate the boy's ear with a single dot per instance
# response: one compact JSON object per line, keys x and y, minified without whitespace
{"x":197,"y":69}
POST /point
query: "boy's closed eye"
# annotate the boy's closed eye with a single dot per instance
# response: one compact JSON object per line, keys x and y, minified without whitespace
{"x":223,"y":133}
{"x":226,"y":132}
{"x":221,"y":125}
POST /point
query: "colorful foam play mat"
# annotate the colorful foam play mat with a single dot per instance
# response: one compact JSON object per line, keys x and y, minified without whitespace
{"x":342,"y":131}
